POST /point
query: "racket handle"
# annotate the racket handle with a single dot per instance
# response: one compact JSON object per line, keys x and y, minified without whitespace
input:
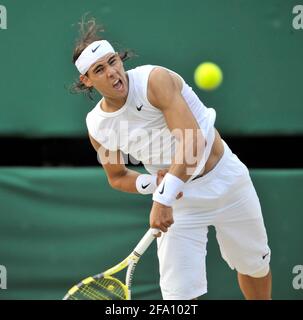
{"x":155,"y":231}
{"x":146,"y":241}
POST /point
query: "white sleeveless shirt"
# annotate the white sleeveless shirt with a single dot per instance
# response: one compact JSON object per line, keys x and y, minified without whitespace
{"x":139,"y":129}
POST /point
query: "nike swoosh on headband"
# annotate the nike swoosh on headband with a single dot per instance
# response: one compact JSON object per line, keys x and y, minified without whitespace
{"x":94,"y":50}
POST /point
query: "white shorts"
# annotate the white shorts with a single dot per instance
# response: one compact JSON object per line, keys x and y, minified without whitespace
{"x":225,"y":198}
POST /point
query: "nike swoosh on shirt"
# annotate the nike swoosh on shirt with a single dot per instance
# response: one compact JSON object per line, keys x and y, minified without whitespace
{"x":139,"y":108}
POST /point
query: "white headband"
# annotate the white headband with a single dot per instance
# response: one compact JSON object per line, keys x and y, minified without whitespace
{"x":92,"y":53}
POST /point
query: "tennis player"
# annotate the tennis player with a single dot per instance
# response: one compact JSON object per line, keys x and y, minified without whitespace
{"x":152,"y":114}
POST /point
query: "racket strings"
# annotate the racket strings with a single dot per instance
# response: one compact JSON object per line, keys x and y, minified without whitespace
{"x":113,"y":287}
{"x":91,"y":293}
{"x":100,"y":289}
{"x":87,"y":293}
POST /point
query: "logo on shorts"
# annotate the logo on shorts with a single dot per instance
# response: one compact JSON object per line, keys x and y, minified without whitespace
{"x":297,"y":281}
{"x":263,"y":257}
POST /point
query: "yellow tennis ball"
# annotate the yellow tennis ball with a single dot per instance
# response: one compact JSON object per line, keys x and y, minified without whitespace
{"x":208,"y":76}
{"x":110,"y":287}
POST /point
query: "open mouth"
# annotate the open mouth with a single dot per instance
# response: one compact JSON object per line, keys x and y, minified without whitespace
{"x":118,"y":85}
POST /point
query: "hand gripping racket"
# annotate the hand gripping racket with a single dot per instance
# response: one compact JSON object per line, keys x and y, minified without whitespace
{"x":104,"y":286}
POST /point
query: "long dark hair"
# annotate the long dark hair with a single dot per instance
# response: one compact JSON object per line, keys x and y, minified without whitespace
{"x":90,"y":31}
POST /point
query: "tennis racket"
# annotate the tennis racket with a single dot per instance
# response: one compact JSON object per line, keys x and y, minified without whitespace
{"x":104,"y":286}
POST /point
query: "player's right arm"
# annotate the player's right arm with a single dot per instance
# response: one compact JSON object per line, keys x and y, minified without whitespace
{"x":121,"y":178}
{"x":118,"y":175}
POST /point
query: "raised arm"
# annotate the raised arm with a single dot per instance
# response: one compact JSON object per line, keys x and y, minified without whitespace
{"x":164,"y":92}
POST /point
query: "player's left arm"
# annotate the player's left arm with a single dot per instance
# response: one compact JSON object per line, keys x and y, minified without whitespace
{"x":165,"y":94}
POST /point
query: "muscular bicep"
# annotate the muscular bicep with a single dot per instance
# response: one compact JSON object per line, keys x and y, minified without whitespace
{"x":112,"y":161}
{"x":165,"y":93}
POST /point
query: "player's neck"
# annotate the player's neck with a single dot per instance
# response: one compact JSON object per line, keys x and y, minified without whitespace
{"x":112,"y":105}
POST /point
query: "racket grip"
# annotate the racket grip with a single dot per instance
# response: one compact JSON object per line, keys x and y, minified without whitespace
{"x":155,"y":231}
{"x":146,"y":241}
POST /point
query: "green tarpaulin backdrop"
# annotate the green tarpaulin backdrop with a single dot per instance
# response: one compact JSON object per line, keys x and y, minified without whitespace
{"x":58,"y":226}
{"x":253,"y":41}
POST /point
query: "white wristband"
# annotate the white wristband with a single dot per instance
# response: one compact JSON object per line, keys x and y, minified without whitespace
{"x":168,"y":190}
{"x":146,"y":183}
